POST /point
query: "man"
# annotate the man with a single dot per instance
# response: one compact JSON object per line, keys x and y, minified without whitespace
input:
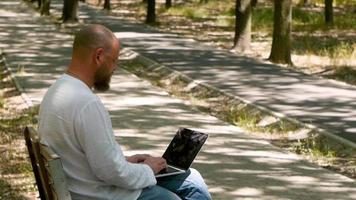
{"x":74,"y":123}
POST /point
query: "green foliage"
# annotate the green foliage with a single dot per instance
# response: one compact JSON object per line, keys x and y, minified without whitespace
{"x":345,"y":20}
{"x":189,"y":12}
{"x":324,"y":46}
{"x":301,"y":16}
{"x":304,"y":20}
{"x":262,"y":19}
{"x":2,"y":102}
{"x":345,"y":2}
{"x":321,"y":146}
{"x":244,"y":117}
{"x":18,"y":168}
{"x":344,"y":73}
{"x":336,"y":2}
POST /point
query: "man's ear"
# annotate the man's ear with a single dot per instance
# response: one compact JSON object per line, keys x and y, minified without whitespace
{"x":99,"y":55}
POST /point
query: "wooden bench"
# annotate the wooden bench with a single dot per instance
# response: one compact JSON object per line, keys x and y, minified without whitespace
{"x":47,"y":167}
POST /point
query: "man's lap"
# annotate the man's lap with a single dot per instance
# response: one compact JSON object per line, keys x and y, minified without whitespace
{"x":189,"y":185}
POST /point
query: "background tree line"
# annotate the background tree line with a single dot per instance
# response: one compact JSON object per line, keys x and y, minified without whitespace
{"x":281,"y":42}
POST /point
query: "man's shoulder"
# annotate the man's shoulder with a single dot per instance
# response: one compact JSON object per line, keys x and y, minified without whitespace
{"x":68,"y":92}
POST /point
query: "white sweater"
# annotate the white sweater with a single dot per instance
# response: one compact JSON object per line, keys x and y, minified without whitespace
{"x":75,"y":124}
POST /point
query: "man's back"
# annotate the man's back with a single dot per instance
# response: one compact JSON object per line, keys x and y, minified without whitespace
{"x":75,"y":124}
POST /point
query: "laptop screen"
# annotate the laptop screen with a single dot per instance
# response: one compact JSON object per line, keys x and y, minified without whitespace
{"x":185,"y":145}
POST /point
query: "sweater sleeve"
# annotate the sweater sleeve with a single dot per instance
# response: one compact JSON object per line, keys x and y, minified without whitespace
{"x":94,"y":132}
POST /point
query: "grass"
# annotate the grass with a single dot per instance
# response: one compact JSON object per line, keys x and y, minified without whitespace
{"x":313,"y":146}
{"x":226,"y":108}
{"x":2,"y":102}
{"x":324,"y":152}
{"x":344,"y":73}
{"x":8,"y":192}
{"x":262,"y":19}
{"x":327,"y":46}
{"x":16,"y":171}
{"x":305,"y":23}
{"x":16,"y":177}
{"x":188,"y":12}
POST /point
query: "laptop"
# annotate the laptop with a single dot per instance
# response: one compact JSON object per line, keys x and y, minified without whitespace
{"x":182,"y":151}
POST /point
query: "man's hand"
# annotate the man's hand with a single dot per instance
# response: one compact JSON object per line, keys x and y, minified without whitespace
{"x":137,"y":158}
{"x":156,"y":163}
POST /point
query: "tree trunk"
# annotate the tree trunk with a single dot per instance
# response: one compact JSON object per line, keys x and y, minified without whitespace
{"x":107,"y":5}
{"x":242,"y":38}
{"x":168,"y":4}
{"x":253,"y":3}
{"x":38,"y":2}
{"x":151,"y":12}
{"x":70,"y":11}
{"x":329,"y":16}
{"x":45,"y":6}
{"x":281,"y":44}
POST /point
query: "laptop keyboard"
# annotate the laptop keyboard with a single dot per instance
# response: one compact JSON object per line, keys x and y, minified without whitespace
{"x":168,"y":170}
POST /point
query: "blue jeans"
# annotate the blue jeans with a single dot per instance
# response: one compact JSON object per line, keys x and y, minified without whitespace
{"x":187,"y":186}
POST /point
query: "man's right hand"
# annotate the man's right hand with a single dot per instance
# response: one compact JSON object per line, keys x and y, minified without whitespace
{"x":156,"y":163}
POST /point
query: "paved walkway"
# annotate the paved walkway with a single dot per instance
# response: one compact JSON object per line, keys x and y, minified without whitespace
{"x":145,"y":118}
{"x":327,"y":104}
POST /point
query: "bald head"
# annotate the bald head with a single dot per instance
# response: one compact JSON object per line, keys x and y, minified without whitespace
{"x":90,"y":38}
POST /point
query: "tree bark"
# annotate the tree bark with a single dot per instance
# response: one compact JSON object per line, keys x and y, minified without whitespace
{"x":168,"y":4}
{"x":151,"y":12}
{"x":39,"y":3}
{"x":242,"y":40}
{"x":107,"y":5}
{"x":253,"y":3}
{"x":329,"y":14}
{"x":45,"y":6}
{"x":70,"y":11}
{"x":281,"y":44}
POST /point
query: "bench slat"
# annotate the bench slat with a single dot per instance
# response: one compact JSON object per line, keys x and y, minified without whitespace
{"x":47,"y":168}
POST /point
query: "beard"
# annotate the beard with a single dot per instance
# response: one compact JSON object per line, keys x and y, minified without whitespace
{"x":102,"y":79}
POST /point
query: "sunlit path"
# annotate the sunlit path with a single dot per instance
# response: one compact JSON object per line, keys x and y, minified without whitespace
{"x":234,"y":165}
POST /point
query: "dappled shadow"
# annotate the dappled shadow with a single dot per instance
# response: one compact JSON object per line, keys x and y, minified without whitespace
{"x":145,"y":118}
{"x":8,"y":192}
{"x":34,"y":49}
{"x":233,"y":164}
{"x":318,"y":44}
{"x":326,"y":104}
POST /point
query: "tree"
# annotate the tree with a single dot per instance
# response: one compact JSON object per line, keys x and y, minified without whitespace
{"x":151,"y":12}
{"x":329,"y":16}
{"x":281,"y":43}
{"x":242,"y":38}
{"x":107,"y":5}
{"x":70,"y":10}
{"x":38,"y":2}
{"x":45,"y":5}
{"x":168,"y":4}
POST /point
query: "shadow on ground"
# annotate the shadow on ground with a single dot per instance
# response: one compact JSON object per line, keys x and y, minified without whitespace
{"x":145,"y":119}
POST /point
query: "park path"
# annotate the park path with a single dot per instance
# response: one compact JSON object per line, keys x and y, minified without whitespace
{"x":235,"y":165}
{"x":327,"y":104}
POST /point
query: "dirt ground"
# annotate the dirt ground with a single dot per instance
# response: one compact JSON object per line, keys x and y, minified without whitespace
{"x":16,"y":177}
{"x":211,"y":33}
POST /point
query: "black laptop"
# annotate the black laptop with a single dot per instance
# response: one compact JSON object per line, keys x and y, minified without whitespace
{"x":182,"y":151}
